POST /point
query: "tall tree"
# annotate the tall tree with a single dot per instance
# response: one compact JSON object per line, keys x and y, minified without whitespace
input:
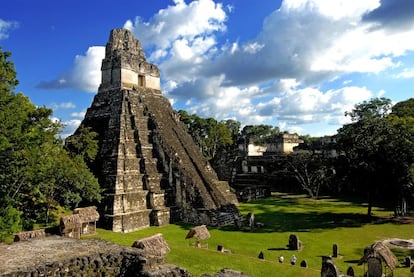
{"x":218,"y":137}
{"x":378,"y":149}
{"x":83,"y":143}
{"x":234,"y":128}
{"x":210,"y":135}
{"x":404,"y":108}
{"x":259,"y":133}
{"x":36,"y":173}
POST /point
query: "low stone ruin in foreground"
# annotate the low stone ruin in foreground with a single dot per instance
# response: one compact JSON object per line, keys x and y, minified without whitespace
{"x":57,"y":256}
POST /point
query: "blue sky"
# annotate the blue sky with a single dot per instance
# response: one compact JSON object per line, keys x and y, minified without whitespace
{"x":296,"y":64}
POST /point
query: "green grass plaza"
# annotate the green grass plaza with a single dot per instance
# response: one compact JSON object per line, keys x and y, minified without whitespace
{"x":319,"y":224}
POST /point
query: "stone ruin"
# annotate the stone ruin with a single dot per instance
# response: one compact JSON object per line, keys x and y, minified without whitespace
{"x":27,"y":235}
{"x":329,"y":269}
{"x":150,"y":169}
{"x":294,"y":243}
{"x":60,"y":256}
{"x":81,"y":222}
{"x":380,"y":259}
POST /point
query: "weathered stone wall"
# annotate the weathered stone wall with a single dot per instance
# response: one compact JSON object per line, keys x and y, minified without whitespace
{"x":193,"y":188}
{"x":56,"y":256}
{"x":35,"y":234}
{"x":125,"y":63}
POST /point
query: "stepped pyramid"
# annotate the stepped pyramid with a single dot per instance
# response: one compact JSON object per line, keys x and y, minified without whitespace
{"x":150,"y":169}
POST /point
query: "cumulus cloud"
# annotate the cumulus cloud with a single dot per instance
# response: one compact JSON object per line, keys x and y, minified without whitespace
{"x":275,"y":78}
{"x":310,"y":105}
{"x":71,"y":124}
{"x":181,"y":37}
{"x":179,"y":21}
{"x":6,"y":27}
{"x":307,"y":41}
{"x":80,"y":115}
{"x":290,"y":106}
{"x":64,"y":105}
{"x":313,"y":41}
{"x":70,"y":127}
{"x":218,"y":100}
{"x":407,"y":73}
{"x":85,"y":74}
{"x":392,"y":14}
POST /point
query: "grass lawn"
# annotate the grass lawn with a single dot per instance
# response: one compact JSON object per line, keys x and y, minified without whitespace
{"x":318,"y":223}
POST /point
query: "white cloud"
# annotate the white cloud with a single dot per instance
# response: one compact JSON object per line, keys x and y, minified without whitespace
{"x":70,"y":127}
{"x":72,"y":124}
{"x":275,"y":78}
{"x":64,"y":105}
{"x":293,"y":107}
{"x":182,"y":37}
{"x":363,"y":50}
{"x":252,"y":48}
{"x":304,"y":43}
{"x":6,"y":27}
{"x":407,"y":73}
{"x":313,"y":41}
{"x":85,"y":74}
{"x":188,"y":21}
{"x":336,"y":9}
{"x":80,"y":115}
{"x":310,"y":105}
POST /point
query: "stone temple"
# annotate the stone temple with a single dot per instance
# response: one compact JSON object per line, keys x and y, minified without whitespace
{"x":149,"y":168}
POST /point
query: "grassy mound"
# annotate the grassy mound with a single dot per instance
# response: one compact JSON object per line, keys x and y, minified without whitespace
{"x":318,"y":223}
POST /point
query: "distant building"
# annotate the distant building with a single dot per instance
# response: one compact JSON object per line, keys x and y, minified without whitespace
{"x":251,"y":177}
{"x":325,"y":146}
{"x":255,"y":150}
{"x":282,"y":143}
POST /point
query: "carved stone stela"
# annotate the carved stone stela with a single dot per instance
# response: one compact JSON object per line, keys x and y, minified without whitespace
{"x":148,"y":166}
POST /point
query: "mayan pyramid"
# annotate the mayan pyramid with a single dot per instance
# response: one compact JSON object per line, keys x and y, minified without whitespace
{"x":150,"y":169}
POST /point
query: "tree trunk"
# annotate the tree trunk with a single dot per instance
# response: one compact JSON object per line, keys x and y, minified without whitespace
{"x":369,"y":212}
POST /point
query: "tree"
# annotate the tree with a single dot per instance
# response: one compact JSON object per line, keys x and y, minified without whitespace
{"x":234,"y":128}
{"x":210,"y":135}
{"x":400,"y":153}
{"x":310,"y":170}
{"x":404,"y":108}
{"x":36,"y":174}
{"x":259,"y":133}
{"x":196,"y":126}
{"x":8,"y":79}
{"x":9,"y":222}
{"x":379,"y":151}
{"x":83,"y":143}
{"x":375,"y":109}
{"x":218,"y":137}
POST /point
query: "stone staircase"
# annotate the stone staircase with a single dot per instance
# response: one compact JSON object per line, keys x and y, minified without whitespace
{"x":160,"y":214}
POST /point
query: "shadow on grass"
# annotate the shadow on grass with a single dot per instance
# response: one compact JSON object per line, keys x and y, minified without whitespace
{"x":278,"y":249}
{"x":351,"y":261}
{"x":297,"y":213}
{"x":302,"y":222}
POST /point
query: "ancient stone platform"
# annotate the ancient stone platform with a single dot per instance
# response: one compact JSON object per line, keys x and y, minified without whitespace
{"x":57,"y":256}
